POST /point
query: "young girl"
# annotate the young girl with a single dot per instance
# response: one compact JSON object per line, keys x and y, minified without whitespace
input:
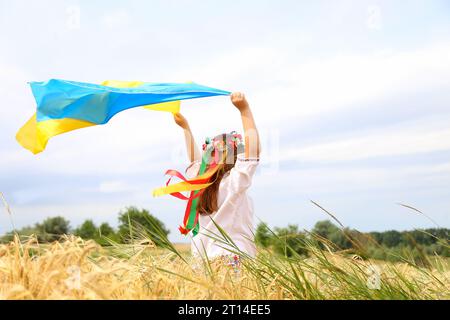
{"x":225,"y":202}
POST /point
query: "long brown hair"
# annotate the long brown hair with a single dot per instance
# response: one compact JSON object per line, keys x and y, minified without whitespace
{"x":208,"y":201}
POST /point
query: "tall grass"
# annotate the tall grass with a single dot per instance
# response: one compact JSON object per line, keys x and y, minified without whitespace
{"x":76,"y":269}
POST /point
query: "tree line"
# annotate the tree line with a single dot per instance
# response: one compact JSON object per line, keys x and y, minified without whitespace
{"x":134,"y":223}
{"x":388,"y":245}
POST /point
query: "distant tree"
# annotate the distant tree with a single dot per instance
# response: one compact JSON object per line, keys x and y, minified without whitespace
{"x":25,"y":231}
{"x":87,"y":230}
{"x":377,"y":253}
{"x":377,"y":236}
{"x":440,"y":233}
{"x":134,"y":222}
{"x":105,"y":229}
{"x":107,"y":233}
{"x":392,"y":238}
{"x":290,"y":241}
{"x":51,"y":229}
{"x":325,"y":229}
{"x":262,"y":235}
{"x":341,"y":238}
{"x":418,"y":237}
{"x":438,"y":249}
{"x":102,"y":234}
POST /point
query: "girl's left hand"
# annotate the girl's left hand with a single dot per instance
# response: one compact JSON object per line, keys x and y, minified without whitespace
{"x":181,"y":120}
{"x":239,"y":101}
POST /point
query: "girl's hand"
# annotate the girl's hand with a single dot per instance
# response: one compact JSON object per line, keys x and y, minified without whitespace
{"x":192,"y":149}
{"x":181,"y":120}
{"x":239,"y":101}
{"x":252,"y":145}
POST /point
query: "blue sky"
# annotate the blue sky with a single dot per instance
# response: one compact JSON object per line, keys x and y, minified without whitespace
{"x":351,"y":97}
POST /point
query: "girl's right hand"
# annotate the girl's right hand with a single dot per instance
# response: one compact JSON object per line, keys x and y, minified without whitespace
{"x":181,"y":120}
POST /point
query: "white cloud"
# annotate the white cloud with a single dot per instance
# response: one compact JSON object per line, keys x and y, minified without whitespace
{"x":15,"y":93}
{"x":114,"y":187}
{"x":376,"y":181}
{"x":325,"y":85}
{"x":400,"y":140}
{"x":282,"y":83}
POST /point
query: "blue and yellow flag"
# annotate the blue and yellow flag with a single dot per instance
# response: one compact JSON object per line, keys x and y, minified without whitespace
{"x":63,"y":106}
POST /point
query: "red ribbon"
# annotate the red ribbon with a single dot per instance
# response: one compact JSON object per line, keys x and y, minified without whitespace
{"x":193,"y":195}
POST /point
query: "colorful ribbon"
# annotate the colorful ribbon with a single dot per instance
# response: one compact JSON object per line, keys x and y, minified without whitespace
{"x":196,"y":186}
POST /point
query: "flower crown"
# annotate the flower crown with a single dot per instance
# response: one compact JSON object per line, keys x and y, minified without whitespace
{"x":233,"y":140}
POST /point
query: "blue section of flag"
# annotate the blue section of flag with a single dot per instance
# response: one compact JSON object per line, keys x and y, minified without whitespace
{"x":59,"y":99}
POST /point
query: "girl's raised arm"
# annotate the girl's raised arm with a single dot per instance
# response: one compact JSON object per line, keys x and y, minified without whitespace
{"x":252,"y":144}
{"x":191,"y":147}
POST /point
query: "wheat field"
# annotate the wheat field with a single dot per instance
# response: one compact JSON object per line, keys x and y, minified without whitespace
{"x":76,"y":269}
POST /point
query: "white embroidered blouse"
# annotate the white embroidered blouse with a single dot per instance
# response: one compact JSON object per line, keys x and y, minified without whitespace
{"x":235,"y":213}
